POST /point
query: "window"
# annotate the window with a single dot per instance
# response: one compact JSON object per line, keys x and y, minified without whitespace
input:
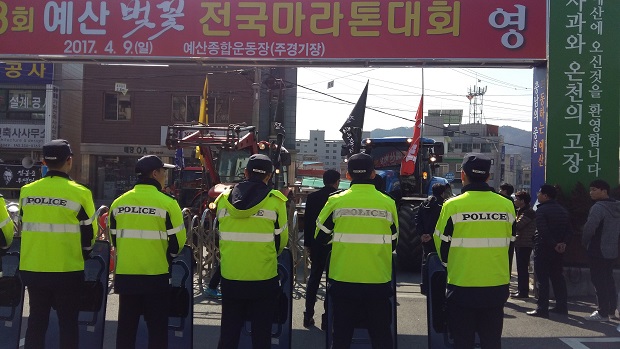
{"x":486,"y":148}
{"x":333,"y":157}
{"x":315,"y":139}
{"x":476,"y":146}
{"x":185,"y":108}
{"x":117,"y":107}
{"x":466,"y":148}
{"x":334,"y":151}
{"x":315,"y":150}
{"x":22,"y":104}
{"x":315,"y":144}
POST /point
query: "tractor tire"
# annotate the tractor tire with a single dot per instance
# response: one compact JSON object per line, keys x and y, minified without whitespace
{"x":409,"y":248}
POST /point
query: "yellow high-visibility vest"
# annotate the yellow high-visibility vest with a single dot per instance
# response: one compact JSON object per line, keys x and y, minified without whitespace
{"x":56,"y":215}
{"x":247,"y":237}
{"x":365,"y":225}
{"x":477,"y":228}
{"x":142,"y":220}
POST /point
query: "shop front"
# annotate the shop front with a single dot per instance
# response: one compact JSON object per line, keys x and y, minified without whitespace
{"x":110,"y":167}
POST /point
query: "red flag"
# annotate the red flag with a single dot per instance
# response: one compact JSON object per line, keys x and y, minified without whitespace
{"x":407,"y":165}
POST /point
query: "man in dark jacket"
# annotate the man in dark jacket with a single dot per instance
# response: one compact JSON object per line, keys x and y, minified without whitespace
{"x":600,"y":237}
{"x":524,"y":242}
{"x":425,"y":221}
{"x":318,"y":252}
{"x":552,"y":231}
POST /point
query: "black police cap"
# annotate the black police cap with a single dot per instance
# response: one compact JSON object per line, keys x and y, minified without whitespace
{"x":360,"y":163}
{"x":476,"y":165}
{"x":57,"y":150}
{"x":149,"y":163}
{"x":259,"y":163}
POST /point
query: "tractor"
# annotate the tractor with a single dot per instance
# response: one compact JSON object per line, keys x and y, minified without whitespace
{"x":408,"y":191}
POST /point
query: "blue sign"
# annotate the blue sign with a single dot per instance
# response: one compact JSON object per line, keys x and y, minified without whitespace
{"x":449,"y":176}
{"x":26,"y":73}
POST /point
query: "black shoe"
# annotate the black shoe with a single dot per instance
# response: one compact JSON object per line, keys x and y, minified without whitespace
{"x":538,"y":313}
{"x":324,"y":322}
{"x":520,"y":295}
{"x":308,"y":321}
{"x":561,"y":311}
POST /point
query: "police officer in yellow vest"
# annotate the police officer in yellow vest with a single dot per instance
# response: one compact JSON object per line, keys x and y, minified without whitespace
{"x":57,"y":235}
{"x":362,"y":223}
{"x":473,"y":236}
{"x":253,"y":232}
{"x":6,"y":228}
{"x":147,"y":229}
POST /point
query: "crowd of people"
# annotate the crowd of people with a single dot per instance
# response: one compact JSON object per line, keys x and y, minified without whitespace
{"x":352,"y":233}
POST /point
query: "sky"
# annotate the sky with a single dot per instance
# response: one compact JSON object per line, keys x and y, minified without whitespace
{"x":396,"y":92}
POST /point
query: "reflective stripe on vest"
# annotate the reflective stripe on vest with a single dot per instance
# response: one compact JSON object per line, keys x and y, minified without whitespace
{"x":364,"y":212}
{"x":49,"y":201}
{"x":246,"y":237}
{"x":475,"y":242}
{"x":267,"y":214}
{"x":5,"y":222}
{"x":139,"y":234}
{"x":51,"y":228}
{"x":88,"y":221}
{"x":480,"y":217}
{"x":323,"y":228}
{"x":175,"y":230}
{"x":364,"y":238}
{"x":141,"y":210}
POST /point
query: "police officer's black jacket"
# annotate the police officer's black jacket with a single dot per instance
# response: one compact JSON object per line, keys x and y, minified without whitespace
{"x":552,"y":225}
{"x":314,"y":203}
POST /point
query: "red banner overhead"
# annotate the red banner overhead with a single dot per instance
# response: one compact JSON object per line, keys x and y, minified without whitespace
{"x":469,"y":30}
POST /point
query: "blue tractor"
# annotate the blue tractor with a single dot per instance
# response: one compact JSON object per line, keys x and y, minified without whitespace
{"x":408,"y":191}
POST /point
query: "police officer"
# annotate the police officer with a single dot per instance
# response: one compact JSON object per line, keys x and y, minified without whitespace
{"x":473,"y":235}
{"x":253,"y":232}
{"x":363,"y":226}
{"x":147,"y":230}
{"x":57,"y":235}
{"x":6,"y":227}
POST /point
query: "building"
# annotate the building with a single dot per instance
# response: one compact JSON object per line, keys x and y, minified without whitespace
{"x":512,"y":168}
{"x":318,"y":149}
{"x":459,"y":139}
{"x":113,"y":114}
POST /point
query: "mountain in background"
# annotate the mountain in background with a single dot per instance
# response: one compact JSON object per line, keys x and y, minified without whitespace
{"x":517,"y":141}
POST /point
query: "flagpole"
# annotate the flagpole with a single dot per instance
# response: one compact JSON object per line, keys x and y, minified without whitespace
{"x":422,"y":124}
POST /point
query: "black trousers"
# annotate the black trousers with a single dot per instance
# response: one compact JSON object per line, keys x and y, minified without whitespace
{"x":376,"y":313}
{"x":63,"y":296}
{"x":465,"y":322}
{"x":216,"y":278}
{"x":427,"y":247}
{"x":523,"y":264}
{"x":602,"y":276}
{"x":319,"y":260}
{"x":235,"y":311}
{"x":154,"y":307}
{"x":548,"y":266}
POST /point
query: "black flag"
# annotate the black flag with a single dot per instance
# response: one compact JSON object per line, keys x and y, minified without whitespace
{"x":352,"y":128}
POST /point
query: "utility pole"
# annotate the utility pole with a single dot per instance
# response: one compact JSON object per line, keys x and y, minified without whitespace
{"x":256,"y":94}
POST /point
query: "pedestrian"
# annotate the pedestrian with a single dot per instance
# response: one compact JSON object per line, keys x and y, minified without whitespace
{"x":148,"y":231}
{"x":362,"y":224}
{"x":600,"y":237}
{"x":253,"y":232}
{"x":58,"y":231}
{"x":552,"y":230}
{"x":524,"y":242}
{"x":425,"y":221}
{"x":473,"y":236}
{"x":318,"y":252}
{"x":6,"y":229}
{"x":506,"y":190}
